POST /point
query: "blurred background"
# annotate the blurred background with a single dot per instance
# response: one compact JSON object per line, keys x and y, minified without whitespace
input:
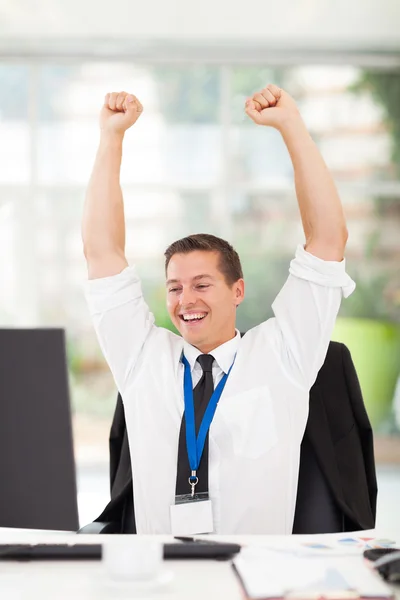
{"x":195,"y":163}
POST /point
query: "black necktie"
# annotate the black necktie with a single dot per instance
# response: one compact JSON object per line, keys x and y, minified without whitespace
{"x":201,"y":397}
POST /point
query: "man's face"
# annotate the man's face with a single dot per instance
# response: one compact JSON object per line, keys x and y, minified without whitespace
{"x":201,"y":304}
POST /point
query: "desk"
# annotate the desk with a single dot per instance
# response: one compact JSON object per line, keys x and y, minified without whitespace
{"x":193,"y":580}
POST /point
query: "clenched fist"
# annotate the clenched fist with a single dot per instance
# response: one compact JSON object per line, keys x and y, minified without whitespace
{"x":272,"y":107}
{"x":120,"y":111}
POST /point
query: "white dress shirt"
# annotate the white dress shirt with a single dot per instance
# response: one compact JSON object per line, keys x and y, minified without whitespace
{"x":255,"y":436}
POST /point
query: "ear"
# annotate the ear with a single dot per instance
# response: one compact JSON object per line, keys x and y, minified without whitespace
{"x":239,"y":292}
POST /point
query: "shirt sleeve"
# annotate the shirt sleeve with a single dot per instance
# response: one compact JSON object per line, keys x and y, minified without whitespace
{"x":305,"y":313}
{"x":122,"y":320}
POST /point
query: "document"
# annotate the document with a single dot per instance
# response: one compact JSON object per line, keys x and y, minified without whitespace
{"x":266,"y":574}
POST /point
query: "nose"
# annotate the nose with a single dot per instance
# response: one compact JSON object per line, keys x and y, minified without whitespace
{"x":187,"y":297}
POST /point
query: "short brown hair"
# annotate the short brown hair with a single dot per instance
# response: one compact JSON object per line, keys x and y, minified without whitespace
{"x":229,"y":263}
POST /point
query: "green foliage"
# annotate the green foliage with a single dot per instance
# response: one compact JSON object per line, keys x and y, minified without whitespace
{"x":188,"y":95}
{"x":155,"y":297}
{"x":247,"y":80}
{"x":193,"y":95}
{"x":371,"y":300}
{"x":75,"y":356}
{"x":264,"y":276}
{"x":368,"y":300}
{"x":384,"y":87}
{"x":93,"y":394}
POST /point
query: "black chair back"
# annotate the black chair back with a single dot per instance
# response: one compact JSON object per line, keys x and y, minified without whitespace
{"x":316,"y":510}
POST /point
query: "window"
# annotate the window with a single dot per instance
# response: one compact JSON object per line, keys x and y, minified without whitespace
{"x":194,"y":162}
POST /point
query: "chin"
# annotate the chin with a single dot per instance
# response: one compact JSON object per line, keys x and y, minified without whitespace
{"x":193,"y":338}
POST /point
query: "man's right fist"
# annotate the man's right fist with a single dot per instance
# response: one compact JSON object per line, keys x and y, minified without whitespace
{"x":120,"y":111}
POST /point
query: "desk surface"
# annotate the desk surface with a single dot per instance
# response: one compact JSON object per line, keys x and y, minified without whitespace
{"x":194,"y":580}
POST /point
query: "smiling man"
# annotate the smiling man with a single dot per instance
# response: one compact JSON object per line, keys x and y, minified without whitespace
{"x":215,"y":421}
{"x":204,"y":287}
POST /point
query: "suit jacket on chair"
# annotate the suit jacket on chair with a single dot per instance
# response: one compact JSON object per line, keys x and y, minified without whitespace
{"x":338,"y":430}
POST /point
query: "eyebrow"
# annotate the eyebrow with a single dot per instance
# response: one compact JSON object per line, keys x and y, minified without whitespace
{"x":196,"y":278}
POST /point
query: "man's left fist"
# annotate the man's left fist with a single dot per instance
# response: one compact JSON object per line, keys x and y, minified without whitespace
{"x":271,"y":107}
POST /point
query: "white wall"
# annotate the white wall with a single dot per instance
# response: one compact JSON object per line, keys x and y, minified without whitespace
{"x":371,"y":23}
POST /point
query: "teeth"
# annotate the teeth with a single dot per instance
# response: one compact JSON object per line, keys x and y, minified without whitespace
{"x":193,"y":317}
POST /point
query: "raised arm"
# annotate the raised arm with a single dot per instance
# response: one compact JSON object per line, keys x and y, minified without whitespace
{"x":319,"y":203}
{"x":103,"y":225}
{"x":120,"y":315}
{"x":307,"y":305}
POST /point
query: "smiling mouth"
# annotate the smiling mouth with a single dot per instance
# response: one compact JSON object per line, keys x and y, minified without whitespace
{"x":193,"y":320}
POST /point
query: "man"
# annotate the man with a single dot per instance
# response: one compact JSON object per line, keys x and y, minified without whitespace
{"x":238,"y":474}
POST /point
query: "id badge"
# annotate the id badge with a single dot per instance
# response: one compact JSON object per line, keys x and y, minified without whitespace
{"x":192,"y":514}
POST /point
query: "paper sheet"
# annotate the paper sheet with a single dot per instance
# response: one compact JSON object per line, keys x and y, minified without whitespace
{"x":269,"y":574}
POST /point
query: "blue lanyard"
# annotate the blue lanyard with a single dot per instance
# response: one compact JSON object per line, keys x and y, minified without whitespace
{"x":195,"y":446}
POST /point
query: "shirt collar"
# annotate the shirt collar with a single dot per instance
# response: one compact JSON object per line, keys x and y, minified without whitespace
{"x":223,"y":354}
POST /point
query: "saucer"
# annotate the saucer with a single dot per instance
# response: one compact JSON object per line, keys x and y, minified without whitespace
{"x":137,"y":586}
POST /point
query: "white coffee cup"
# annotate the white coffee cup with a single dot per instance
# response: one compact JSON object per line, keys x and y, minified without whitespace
{"x":132,"y":557}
